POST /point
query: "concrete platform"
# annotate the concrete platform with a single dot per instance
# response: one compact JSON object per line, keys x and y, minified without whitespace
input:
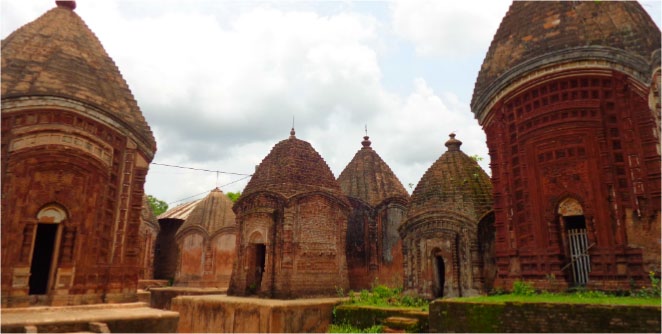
{"x":229,"y":314}
{"x":161,"y":297}
{"x":99,"y":318}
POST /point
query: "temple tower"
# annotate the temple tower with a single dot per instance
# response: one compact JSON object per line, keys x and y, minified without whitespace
{"x":75,"y":153}
{"x":450,"y":207}
{"x":379,"y":203}
{"x":291,"y":227}
{"x":568,"y":95}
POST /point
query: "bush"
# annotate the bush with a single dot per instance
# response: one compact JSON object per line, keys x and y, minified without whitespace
{"x":522,"y":288}
{"x":347,"y":328}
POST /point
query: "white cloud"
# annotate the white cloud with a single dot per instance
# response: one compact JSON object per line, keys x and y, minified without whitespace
{"x":219,"y":94}
{"x":448,"y":28}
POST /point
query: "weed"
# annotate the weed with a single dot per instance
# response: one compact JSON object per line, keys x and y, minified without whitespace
{"x":340,"y":291}
{"x":347,"y":328}
{"x":522,"y":288}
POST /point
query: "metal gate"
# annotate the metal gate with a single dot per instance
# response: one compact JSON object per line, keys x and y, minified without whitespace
{"x":579,"y":258}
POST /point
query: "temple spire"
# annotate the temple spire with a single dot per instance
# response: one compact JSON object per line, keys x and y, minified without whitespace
{"x":453,"y":144}
{"x":69,"y":4}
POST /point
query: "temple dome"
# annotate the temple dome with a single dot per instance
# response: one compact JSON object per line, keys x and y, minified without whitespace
{"x":368,"y":178}
{"x":212,"y":214}
{"x":455,"y":182}
{"x":293,"y":167}
{"x":536,"y":34}
{"x":58,"y":55}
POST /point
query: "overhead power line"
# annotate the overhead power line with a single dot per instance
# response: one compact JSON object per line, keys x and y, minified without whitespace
{"x":200,"y":169}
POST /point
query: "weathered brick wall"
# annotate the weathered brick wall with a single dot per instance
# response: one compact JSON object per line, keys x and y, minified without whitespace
{"x":227,"y":314}
{"x":367,"y":316}
{"x":573,"y":116}
{"x":450,"y":316}
{"x":96,"y":175}
{"x":166,"y":252}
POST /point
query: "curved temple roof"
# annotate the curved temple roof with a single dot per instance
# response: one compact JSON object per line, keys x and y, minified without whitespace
{"x":455,"y":182}
{"x":211,"y":213}
{"x":368,"y":178}
{"x":58,"y":55}
{"x":292,"y":167}
{"x":535,"y":34}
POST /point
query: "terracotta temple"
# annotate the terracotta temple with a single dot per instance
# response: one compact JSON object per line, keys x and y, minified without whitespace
{"x":75,"y":153}
{"x":379,"y":202}
{"x":166,"y":252}
{"x":291,"y":227}
{"x":568,"y":96}
{"x":149,"y":231}
{"x":450,"y":208}
{"x":206,"y":243}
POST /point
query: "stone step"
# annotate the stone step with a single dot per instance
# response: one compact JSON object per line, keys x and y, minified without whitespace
{"x":400,"y":325}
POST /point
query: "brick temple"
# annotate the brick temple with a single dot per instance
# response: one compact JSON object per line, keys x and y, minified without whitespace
{"x":568,"y":95}
{"x":449,"y":208}
{"x":206,"y":243}
{"x":379,"y":203}
{"x":75,"y":154}
{"x":291,"y":227}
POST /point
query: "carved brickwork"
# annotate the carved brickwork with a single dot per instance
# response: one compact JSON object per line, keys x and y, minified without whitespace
{"x":574,"y":124}
{"x":291,"y":227}
{"x":449,"y":209}
{"x":379,"y":201}
{"x":75,"y":153}
{"x":206,"y":243}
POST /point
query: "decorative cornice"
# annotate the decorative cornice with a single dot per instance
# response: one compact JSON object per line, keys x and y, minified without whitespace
{"x":36,"y":102}
{"x":588,"y":57}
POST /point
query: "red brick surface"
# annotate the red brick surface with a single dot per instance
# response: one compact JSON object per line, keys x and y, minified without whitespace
{"x":582,"y":124}
{"x":378,"y":199}
{"x":442,"y":222}
{"x":206,"y":242}
{"x":72,"y":138}
{"x":293,"y":207}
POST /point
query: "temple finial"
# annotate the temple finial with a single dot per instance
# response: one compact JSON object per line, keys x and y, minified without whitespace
{"x":453,"y":144}
{"x":292,"y":133}
{"x":366,"y":142}
{"x":69,"y":4}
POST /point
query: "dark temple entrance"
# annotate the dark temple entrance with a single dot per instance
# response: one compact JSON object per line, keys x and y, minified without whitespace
{"x":256,"y":258}
{"x":42,"y":258}
{"x":440,"y":271}
{"x":578,"y":244}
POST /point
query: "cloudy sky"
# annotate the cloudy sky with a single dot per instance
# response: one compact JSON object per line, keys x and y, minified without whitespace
{"x":220,"y":81}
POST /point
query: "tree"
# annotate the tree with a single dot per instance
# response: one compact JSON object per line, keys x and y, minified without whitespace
{"x":158,"y":206}
{"x":233,"y":196}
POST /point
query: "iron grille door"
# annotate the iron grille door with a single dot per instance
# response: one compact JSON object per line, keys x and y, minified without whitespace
{"x":581,"y":264}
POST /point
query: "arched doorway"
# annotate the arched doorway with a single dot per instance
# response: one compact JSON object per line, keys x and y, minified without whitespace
{"x":576,"y":239}
{"x":256,"y":259}
{"x":439,"y":268}
{"x":44,"y":249}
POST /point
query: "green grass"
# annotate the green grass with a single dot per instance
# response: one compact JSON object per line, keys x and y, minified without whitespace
{"x":347,"y":328}
{"x":570,"y":298}
{"x":383,"y":296}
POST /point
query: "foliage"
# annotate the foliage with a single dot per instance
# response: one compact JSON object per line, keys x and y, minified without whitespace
{"x":476,"y":158}
{"x":522,"y":288}
{"x":592,"y":297}
{"x":233,"y":196}
{"x":648,"y":292}
{"x":347,"y":328}
{"x":158,"y":206}
{"x":382,"y":295}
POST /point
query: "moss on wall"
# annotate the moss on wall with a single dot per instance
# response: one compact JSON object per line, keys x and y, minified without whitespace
{"x":366,"y":316}
{"x":454,"y":316}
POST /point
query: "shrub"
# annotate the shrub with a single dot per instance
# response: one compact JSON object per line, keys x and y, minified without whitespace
{"x":347,"y":328}
{"x":522,"y":288}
